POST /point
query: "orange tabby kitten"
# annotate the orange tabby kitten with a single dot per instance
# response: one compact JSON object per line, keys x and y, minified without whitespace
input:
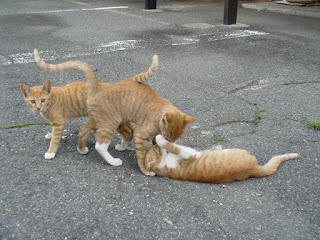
{"x":130,"y":100}
{"x":109,"y":104}
{"x":220,"y":166}
{"x":58,"y":104}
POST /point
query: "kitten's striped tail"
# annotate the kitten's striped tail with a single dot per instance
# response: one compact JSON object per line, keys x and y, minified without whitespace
{"x":144,"y":77}
{"x":272,"y":166}
{"x":84,"y":67}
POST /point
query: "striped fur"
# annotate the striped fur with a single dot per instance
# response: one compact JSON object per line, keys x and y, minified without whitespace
{"x":84,"y":67}
{"x":58,"y":104}
{"x":144,"y":77}
{"x":221,"y":166}
{"x":87,"y":70}
{"x":130,"y":100}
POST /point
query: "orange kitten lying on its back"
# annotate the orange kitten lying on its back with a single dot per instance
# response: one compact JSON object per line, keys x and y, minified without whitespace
{"x":220,"y":166}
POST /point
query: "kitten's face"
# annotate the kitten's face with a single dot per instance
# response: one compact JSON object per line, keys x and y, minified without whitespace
{"x":173,"y":125}
{"x":39,"y":97}
{"x":153,"y":158}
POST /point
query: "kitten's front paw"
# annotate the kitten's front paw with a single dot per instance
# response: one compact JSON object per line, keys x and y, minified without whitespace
{"x":160,"y":140}
{"x":48,"y":136}
{"x":49,"y":155}
{"x":115,"y":162}
{"x":85,"y":151}
{"x":151,"y":174}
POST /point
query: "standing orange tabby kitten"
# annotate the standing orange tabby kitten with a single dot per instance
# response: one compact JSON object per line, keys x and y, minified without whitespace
{"x":220,"y":166}
{"x":131,"y":100}
{"x":58,"y":104}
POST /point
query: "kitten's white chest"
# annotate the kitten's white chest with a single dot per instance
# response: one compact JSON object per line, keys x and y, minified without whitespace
{"x":172,"y":160}
{"x":169,"y":160}
{"x":43,"y":115}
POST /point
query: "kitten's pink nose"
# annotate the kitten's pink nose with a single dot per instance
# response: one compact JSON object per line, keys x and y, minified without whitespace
{"x":39,"y":109}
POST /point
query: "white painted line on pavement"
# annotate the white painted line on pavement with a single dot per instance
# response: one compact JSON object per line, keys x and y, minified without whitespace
{"x":23,"y":58}
{"x":82,"y":3}
{"x":211,"y":37}
{"x":142,"y":17}
{"x":76,"y":10}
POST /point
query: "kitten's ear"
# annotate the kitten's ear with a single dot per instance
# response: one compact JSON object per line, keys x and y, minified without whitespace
{"x":47,"y":86}
{"x":188,"y":119}
{"x":25,"y":89}
{"x":166,"y":118}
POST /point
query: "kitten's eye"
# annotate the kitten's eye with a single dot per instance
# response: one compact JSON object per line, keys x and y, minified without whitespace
{"x":43,"y":100}
{"x":33,"y":101}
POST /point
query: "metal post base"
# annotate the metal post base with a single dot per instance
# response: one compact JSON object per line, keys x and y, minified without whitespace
{"x":230,"y":12}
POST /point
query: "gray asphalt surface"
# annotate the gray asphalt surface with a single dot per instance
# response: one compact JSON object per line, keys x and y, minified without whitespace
{"x":215,"y":73}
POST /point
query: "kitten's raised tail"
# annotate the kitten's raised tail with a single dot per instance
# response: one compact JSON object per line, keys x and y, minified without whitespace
{"x":84,"y":67}
{"x":272,"y":166}
{"x":144,"y":77}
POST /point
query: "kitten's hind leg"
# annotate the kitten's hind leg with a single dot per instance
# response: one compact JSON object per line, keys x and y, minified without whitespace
{"x":104,"y":135}
{"x":102,"y":149}
{"x":126,"y":130}
{"x":87,"y":131}
{"x":122,"y":146}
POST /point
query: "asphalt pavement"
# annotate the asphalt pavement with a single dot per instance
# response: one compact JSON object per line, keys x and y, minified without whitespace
{"x":254,"y":85}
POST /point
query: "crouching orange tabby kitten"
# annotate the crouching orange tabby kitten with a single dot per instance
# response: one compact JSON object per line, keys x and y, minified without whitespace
{"x":219,"y":166}
{"x":109,"y":104}
{"x":58,"y":104}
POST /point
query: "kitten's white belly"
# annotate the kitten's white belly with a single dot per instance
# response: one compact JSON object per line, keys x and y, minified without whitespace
{"x":172,"y":160}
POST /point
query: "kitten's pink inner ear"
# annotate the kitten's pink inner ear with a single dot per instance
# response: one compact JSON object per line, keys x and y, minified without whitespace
{"x":168,"y":117}
{"x":47,"y":86}
{"x":188,"y":119}
{"x":25,"y":89}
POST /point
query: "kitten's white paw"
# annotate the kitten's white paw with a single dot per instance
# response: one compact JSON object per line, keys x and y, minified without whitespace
{"x":86,"y":150}
{"x":115,"y":162}
{"x":151,"y":174}
{"x":49,"y":155}
{"x":48,"y":136}
{"x":130,"y":148}
{"x":160,"y":140}
{"x":120,"y":147}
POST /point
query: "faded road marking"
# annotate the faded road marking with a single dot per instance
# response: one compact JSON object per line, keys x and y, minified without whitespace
{"x":23,"y":58}
{"x":81,"y":3}
{"x":76,"y":10}
{"x":142,"y":17}
{"x":211,"y":37}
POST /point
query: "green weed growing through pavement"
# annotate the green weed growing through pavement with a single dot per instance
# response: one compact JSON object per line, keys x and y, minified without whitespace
{"x":219,"y":138}
{"x":26,"y":124}
{"x":314,"y":124}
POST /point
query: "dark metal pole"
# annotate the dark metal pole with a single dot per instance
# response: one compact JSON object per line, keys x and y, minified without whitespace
{"x":230,"y":12}
{"x":150,"y":4}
